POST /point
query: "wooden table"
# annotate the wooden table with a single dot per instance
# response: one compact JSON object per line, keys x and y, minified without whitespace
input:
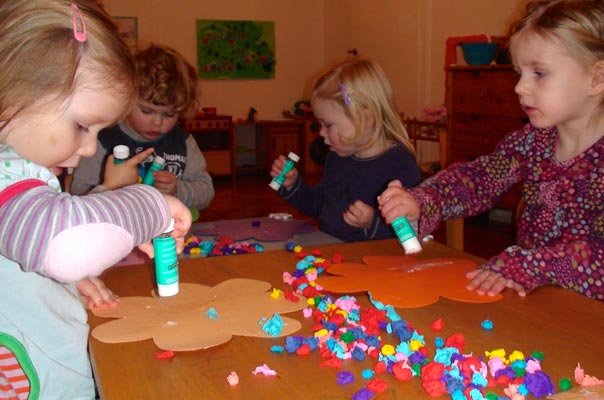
{"x":565,"y":326}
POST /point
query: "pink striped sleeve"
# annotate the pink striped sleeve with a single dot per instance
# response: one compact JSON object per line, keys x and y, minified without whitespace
{"x":30,"y":220}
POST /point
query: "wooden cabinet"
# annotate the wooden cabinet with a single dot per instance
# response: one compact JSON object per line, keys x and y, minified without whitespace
{"x":281,"y":138}
{"x":215,"y":137}
{"x":260,"y":142}
{"x":313,"y":147}
{"x":482,"y":107}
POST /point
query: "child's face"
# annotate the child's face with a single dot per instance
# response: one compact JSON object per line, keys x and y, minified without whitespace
{"x":335,"y":126}
{"x":553,"y":89}
{"x":152,"y":121}
{"x":57,"y":134}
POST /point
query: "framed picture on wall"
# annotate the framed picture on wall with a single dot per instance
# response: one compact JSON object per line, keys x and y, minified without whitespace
{"x":128,"y":30}
{"x":235,"y":49}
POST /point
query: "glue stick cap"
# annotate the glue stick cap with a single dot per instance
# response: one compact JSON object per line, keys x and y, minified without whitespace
{"x":159,"y":160}
{"x":412,"y":245}
{"x":121,"y":152}
{"x":293,"y":156}
{"x":167,"y":290}
{"x":274,"y":185}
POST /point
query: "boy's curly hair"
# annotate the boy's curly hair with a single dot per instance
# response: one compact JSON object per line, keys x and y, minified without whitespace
{"x":165,"y":78}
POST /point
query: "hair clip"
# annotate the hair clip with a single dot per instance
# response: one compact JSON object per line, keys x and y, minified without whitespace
{"x":80,"y":36}
{"x":345,"y":95}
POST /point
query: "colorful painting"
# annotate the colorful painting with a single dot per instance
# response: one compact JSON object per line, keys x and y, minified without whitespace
{"x":235,"y":49}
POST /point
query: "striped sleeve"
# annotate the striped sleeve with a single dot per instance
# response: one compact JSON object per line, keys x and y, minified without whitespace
{"x":29,"y":221}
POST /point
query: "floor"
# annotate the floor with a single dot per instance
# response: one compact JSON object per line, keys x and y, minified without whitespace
{"x":250,"y":197}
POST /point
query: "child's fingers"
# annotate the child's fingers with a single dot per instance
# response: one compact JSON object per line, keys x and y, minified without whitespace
{"x":140,"y":157}
{"x":518,"y":288}
{"x":487,"y":282}
{"x":491,"y":283}
{"x":395,"y":183}
{"x":481,"y":279}
{"x":102,"y":298}
{"x":147,"y":248}
{"x":472,"y":274}
{"x":180,"y":244}
{"x":394,"y":188}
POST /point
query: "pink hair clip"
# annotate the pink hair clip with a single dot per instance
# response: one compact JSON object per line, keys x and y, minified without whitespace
{"x":80,"y":36}
{"x":345,"y":95}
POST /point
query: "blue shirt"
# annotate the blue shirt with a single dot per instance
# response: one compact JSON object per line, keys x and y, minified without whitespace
{"x":348,"y":179}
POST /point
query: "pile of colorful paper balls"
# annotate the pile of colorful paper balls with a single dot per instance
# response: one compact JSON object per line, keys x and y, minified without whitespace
{"x":343,"y":330}
{"x":221,"y":246}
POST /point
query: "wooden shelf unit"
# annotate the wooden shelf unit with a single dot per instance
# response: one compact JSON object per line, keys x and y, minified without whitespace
{"x":215,"y":136}
{"x":482,"y":108}
{"x":271,"y":138}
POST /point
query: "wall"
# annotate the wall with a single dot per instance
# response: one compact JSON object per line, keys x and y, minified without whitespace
{"x":407,"y":37}
{"x":458,"y":18}
{"x":386,"y":31}
{"x":299,"y":46}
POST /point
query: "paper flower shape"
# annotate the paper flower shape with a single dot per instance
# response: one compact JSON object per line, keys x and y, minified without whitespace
{"x":264,"y":229}
{"x":405,"y":281}
{"x":181,"y":322}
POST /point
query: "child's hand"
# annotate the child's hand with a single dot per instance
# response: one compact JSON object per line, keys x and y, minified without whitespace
{"x":124,"y":174}
{"x":94,"y":293}
{"x":290,"y":178}
{"x":182,"y":224}
{"x":396,"y":201}
{"x":491,"y":283}
{"x":165,"y":182}
{"x":359,"y":215}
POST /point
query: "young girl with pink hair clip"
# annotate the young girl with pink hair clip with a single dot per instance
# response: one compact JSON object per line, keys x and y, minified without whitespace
{"x":64,"y":75}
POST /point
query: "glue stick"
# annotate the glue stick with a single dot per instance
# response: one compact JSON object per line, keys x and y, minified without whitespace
{"x":158,"y":163}
{"x":292,"y":159}
{"x":406,"y":235}
{"x":166,"y":263}
{"x":120,"y":154}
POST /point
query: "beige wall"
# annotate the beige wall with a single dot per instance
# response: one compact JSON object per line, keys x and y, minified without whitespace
{"x":299,"y":46}
{"x":407,"y":37}
{"x":458,"y":18}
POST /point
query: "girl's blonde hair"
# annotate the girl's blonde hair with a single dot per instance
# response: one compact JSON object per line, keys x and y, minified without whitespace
{"x":359,"y":85}
{"x":165,"y":78}
{"x":578,"y":25}
{"x":40,"y":56}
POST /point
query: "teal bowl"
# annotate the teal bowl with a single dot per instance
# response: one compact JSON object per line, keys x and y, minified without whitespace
{"x":479,"y":53}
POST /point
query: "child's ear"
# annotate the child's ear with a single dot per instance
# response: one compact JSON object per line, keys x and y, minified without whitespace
{"x":369,"y":119}
{"x":597,"y":78}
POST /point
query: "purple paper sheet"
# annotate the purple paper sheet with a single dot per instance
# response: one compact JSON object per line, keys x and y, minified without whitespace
{"x":262,"y":229}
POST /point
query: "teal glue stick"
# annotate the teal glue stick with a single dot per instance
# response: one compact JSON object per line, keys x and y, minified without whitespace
{"x":157,"y":165}
{"x":290,"y":163}
{"x":120,"y":154}
{"x":166,"y":263}
{"x":406,"y":235}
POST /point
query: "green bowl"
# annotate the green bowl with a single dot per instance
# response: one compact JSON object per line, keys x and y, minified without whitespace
{"x":479,"y":53}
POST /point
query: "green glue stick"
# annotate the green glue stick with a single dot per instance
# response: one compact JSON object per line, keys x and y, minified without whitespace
{"x":290,"y":163}
{"x":157,"y":165}
{"x":166,"y":263}
{"x":406,"y":235}
{"x":120,"y":154}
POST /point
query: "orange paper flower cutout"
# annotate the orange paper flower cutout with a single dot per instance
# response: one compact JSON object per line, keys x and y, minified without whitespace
{"x":405,"y":281}
{"x":182,"y":322}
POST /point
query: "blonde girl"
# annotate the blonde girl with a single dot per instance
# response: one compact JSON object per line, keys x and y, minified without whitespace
{"x":64,"y":75}
{"x":558,"y":51}
{"x":368,"y":146}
